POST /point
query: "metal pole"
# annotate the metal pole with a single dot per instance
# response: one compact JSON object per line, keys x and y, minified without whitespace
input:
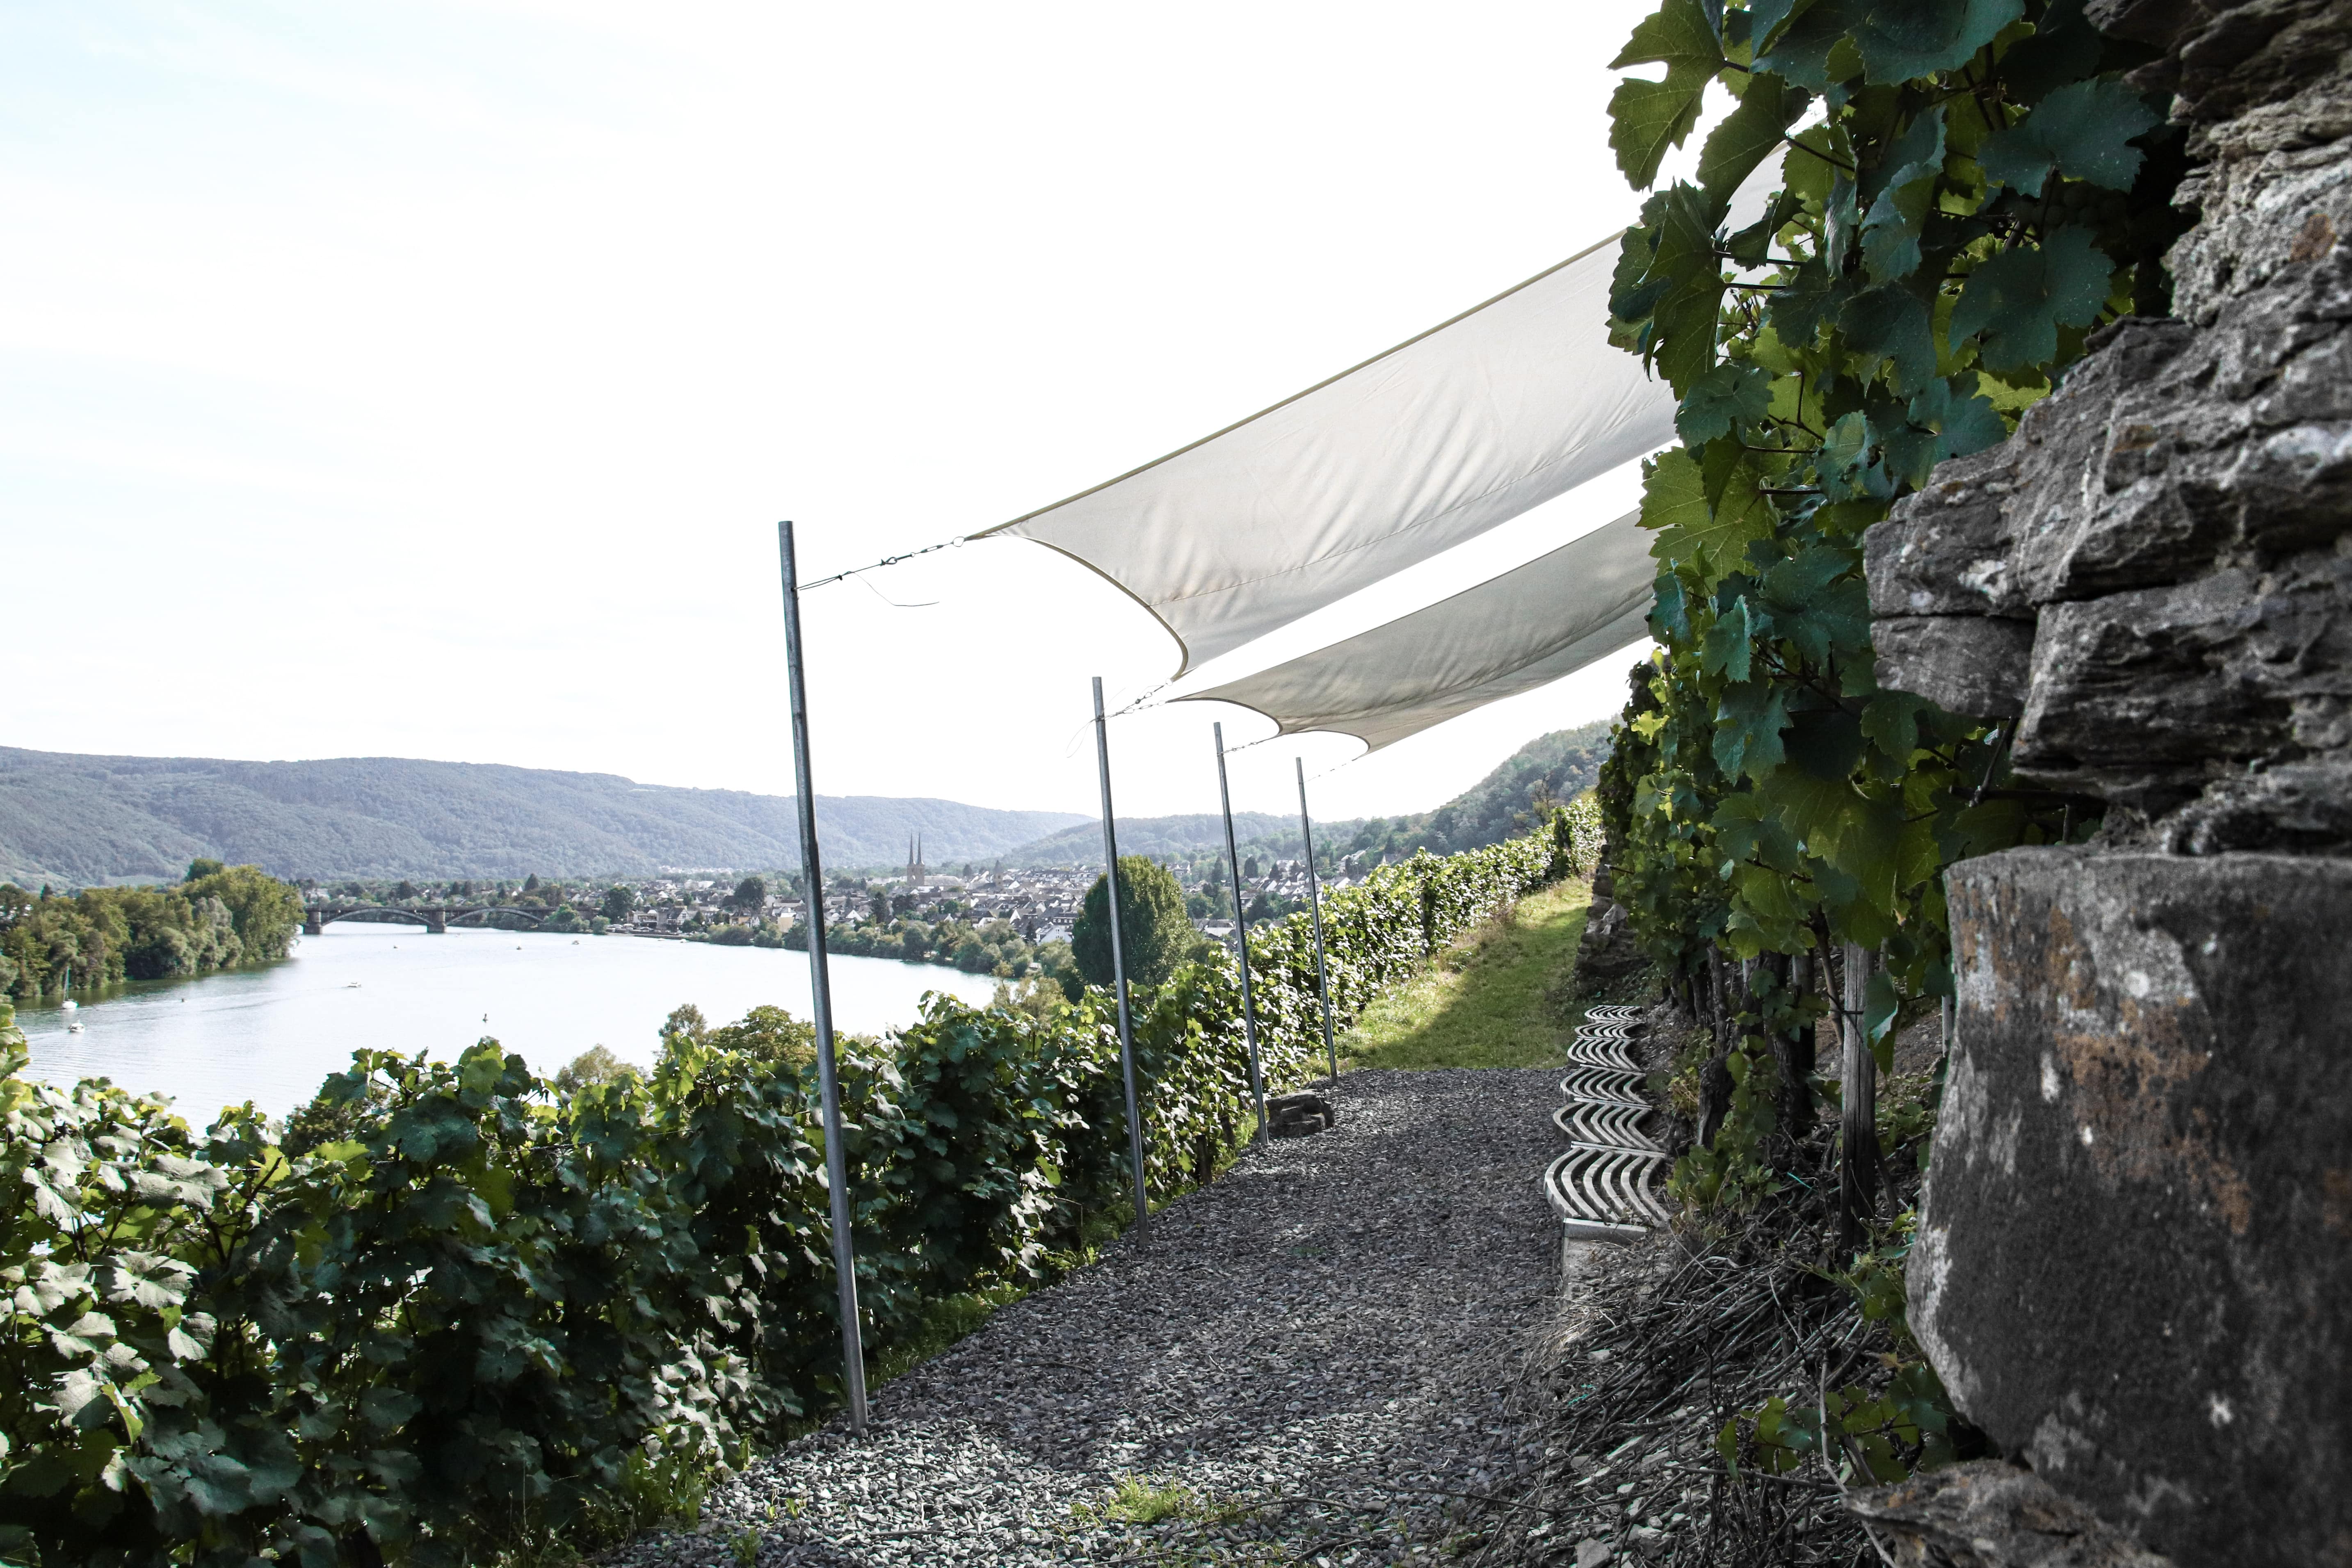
{"x":1241,"y":935}
{"x":1118,"y":967}
{"x":1315,"y":906}
{"x":844,"y":1252}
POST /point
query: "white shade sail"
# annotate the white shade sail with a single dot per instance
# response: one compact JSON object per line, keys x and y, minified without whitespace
{"x":1409,"y":453}
{"x":1549,"y":618}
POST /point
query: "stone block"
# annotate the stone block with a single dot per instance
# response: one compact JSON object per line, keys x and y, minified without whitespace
{"x":1990,"y":1514}
{"x":1968,"y":664}
{"x":1300,"y":1115}
{"x":2147,"y":697}
{"x":1945,"y":549}
{"x":2134,"y":1264}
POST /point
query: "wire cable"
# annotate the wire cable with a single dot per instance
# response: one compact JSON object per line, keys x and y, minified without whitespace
{"x":886,"y":561}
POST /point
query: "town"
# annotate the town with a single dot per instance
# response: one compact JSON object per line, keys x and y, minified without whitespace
{"x":1011,"y":923}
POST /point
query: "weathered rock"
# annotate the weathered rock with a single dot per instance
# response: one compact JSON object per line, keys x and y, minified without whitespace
{"x":2149,"y":697}
{"x":1990,"y":1514}
{"x":2134,"y":1253}
{"x":1968,"y":664}
{"x":2174,"y":524}
{"x":1301,"y":1114}
{"x":1606,"y":951}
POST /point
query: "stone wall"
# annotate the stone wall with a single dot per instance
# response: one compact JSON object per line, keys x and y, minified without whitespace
{"x":2135,"y":1267}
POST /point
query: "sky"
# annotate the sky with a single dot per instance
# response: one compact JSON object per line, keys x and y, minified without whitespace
{"x":427,"y":379}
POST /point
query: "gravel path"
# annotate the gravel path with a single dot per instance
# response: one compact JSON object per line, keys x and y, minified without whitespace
{"x":1311,"y":1360}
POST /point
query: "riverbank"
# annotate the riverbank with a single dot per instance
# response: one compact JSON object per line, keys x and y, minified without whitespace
{"x":271,"y":1032}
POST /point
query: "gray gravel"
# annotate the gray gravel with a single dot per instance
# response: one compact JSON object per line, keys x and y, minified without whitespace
{"x":1323,"y":1349}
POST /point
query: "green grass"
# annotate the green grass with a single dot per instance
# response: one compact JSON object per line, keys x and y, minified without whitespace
{"x":1492,"y":999}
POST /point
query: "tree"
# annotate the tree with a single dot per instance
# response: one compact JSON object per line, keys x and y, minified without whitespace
{"x":530,"y":883}
{"x":1154,"y":934}
{"x":751,"y":893}
{"x":597,"y":1064}
{"x":200,"y":868}
{"x":620,"y":901}
{"x":407,"y":889}
{"x":264,"y":911}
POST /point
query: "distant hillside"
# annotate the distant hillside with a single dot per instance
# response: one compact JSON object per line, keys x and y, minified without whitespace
{"x":79,"y":820}
{"x":1557,"y":766}
{"x":1160,"y":838}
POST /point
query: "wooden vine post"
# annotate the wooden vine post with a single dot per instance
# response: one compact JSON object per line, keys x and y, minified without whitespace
{"x":1858,"y":1140}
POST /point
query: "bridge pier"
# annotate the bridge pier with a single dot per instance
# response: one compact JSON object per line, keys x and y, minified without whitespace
{"x":436,"y":921}
{"x":312,"y":924}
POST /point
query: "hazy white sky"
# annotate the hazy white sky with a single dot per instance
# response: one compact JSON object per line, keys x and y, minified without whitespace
{"x":426,"y":380}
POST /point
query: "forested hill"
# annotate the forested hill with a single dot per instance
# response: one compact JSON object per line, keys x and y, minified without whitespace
{"x":82,"y":820}
{"x":1557,"y":766}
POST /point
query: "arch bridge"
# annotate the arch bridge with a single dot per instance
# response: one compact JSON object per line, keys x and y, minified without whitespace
{"x":433,"y":918}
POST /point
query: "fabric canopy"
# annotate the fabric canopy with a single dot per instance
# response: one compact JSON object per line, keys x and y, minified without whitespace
{"x":1432,"y":443}
{"x":1531,"y":626}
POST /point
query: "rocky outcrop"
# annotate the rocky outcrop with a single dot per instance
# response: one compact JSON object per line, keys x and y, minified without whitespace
{"x":1988,"y":1514}
{"x":2152,"y":580}
{"x":2136,"y":1242}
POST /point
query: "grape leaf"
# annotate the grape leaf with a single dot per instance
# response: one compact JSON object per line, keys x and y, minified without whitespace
{"x":1964,"y":421}
{"x":2082,"y":131}
{"x":1730,"y":644}
{"x":1673,"y":502}
{"x":1747,"y":726}
{"x":1903,"y":39}
{"x":1721,"y":401}
{"x":1805,"y":52}
{"x":2016,"y":302}
{"x":1647,"y":118}
{"x":1670,"y":611}
{"x":1749,"y":133}
{"x":1890,"y":233}
{"x":1681,"y":342}
{"x":1751,"y":244}
{"x":1816,"y":156}
{"x":1677,"y":35}
{"x":1891,"y":720}
{"x":2064,"y":48}
{"x":1765,"y":19}
{"x":1843,"y":215}
{"x":1809,"y":294}
{"x":1888,"y":326}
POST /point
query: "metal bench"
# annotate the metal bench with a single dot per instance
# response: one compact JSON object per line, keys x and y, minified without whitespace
{"x":1603,"y":1188}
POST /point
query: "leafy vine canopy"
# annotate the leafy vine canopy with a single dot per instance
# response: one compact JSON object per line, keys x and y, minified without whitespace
{"x":1962,"y":192}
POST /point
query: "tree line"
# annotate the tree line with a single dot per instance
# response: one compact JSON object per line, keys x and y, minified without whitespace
{"x":217,"y":917}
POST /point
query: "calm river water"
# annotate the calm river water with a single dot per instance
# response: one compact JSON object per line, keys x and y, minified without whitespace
{"x":271,"y":1034}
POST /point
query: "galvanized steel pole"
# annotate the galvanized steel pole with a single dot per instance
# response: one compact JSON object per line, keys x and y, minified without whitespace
{"x":845,"y":1252}
{"x":1241,"y":936}
{"x":1118,"y":967}
{"x":1315,"y":905}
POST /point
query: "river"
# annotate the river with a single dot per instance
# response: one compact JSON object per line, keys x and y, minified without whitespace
{"x":271,"y":1034}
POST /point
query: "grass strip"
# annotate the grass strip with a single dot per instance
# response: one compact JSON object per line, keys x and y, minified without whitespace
{"x":1496,"y":997}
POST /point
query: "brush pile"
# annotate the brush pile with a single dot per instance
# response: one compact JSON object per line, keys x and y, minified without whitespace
{"x":1645,"y":1401}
